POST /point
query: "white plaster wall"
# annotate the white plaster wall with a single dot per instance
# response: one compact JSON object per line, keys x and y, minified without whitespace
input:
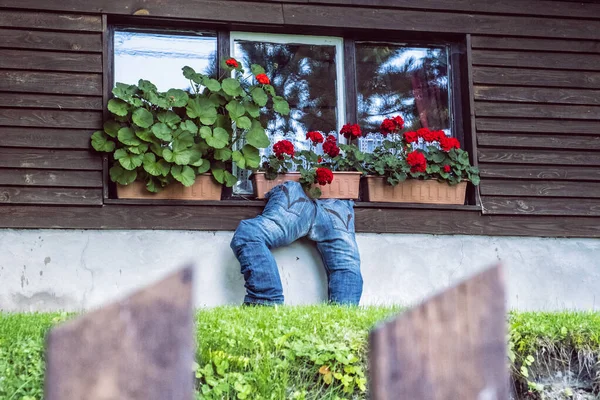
{"x":72,"y":270}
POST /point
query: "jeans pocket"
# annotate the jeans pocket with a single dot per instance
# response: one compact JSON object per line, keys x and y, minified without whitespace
{"x":341,"y":214}
{"x":290,"y":197}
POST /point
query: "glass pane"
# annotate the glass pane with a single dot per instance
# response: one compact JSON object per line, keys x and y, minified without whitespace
{"x":159,"y":57}
{"x":394,"y":80}
{"x":305,"y":74}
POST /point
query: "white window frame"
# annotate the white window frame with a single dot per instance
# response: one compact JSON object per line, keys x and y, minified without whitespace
{"x":338,"y":42}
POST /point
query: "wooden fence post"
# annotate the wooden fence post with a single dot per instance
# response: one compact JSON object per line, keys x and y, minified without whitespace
{"x":140,"y":348}
{"x":452,"y":347}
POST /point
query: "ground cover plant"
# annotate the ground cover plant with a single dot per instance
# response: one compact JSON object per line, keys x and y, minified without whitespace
{"x":309,"y":352}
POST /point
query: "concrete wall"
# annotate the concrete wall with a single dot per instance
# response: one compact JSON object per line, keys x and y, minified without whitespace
{"x":73,"y":270}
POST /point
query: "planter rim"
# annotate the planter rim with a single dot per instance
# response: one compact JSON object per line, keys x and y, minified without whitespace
{"x":414,"y":180}
{"x":298,"y":173}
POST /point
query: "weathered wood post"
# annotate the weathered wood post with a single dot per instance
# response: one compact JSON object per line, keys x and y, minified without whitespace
{"x":140,"y":348}
{"x":452,"y":347}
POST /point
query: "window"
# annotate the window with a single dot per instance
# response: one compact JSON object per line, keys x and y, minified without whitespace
{"x":159,"y":56}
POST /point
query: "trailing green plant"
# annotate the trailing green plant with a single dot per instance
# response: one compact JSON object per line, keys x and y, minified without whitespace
{"x":423,"y":154}
{"x":173,"y":136}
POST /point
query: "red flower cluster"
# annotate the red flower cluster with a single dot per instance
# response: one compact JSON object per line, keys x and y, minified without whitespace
{"x":324,"y":176}
{"x":391,"y":125}
{"x":351,"y":131}
{"x":411,"y":137}
{"x":449,"y":143}
{"x":315,"y":137}
{"x":263,"y":79}
{"x":232,"y":62}
{"x":283,"y":147}
{"x":417,"y":161}
{"x":447,"y":169}
{"x":330,"y":147}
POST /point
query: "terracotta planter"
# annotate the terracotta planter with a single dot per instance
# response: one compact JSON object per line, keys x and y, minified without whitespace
{"x":345,"y":185}
{"x":205,"y":188}
{"x":414,"y":191}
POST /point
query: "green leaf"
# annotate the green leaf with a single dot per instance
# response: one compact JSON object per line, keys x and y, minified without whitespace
{"x":147,"y":86}
{"x":157,"y":149}
{"x":154,"y":168}
{"x":122,"y":176}
{"x":101,"y":142}
{"x":128,"y":137}
{"x":139,"y":149}
{"x":162,"y":131}
{"x":111,"y":128}
{"x":183,"y":174}
{"x":252,"y":156}
{"x":223,"y":176}
{"x":190,"y":126}
{"x":463,"y":158}
{"x":231,"y":86}
{"x":230,"y":179}
{"x":183,"y":141}
{"x":204,"y":167}
{"x":169,"y":118}
{"x":252,"y":109}
{"x":259,"y":96}
{"x":212,"y":84}
{"x":280,"y":105}
{"x":182,"y":157}
{"x":202,"y":108}
{"x":270,"y":89}
{"x":223,"y":154}
{"x":124,"y":91}
{"x":243,"y":123}
{"x":257,"y":137}
{"x":145,"y":135}
{"x":152,"y":185}
{"x":118,"y":107}
{"x":127,"y":160}
{"x":235,"y":109}
{"x":188,"y":72}
{"x":177,"y":97}
{"x":239,"y":159}
{"x":257,"y":69}
{"x":158,"y":99}
{"x":218,"y":139}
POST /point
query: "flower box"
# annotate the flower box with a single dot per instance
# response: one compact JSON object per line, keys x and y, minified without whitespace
{"x":414,"y":191}
{"x":345,"y":185}
{"x":204,"y":188}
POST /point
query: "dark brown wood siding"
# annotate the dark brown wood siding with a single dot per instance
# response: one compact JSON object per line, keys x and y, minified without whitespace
{"x":50,"y":103}
{"x":534,"y":91}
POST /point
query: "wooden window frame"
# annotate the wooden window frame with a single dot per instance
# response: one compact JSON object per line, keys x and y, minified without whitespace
{"x":460,"y":97}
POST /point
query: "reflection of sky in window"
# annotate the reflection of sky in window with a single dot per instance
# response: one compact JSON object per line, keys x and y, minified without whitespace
{"x":160,"y":57}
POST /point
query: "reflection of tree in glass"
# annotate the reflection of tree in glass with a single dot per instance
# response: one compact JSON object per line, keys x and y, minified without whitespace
{"x":411,"y":82}
{"x":305,"y":75}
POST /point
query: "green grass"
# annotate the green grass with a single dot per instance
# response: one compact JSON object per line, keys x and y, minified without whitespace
{"x":312,"y":352}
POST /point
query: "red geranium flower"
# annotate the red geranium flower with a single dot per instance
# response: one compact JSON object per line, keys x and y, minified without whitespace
{"x":427,"y":135}
{"x":411,"y":137}
{"x":283,"y":147}
{"x":387,"y":126}
{"x":439,"y":135}
{"x":232,"y":62}
{"x":315,"y":137}
{"x":331,"y":138}
{"x":330,"y":147}
{"x":417,"y":161}
{"x":320,"y":159}
{"x":399,"y":121}
{"x":449,"y":143}
{"x":351,"y":131}
{"x":263,"y":79}
{"x":324,"y":176}
{"x":447,"y":168}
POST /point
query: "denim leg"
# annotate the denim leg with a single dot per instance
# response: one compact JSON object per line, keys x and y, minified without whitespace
{"x":333,"y":231}
{"x":288,"y":215}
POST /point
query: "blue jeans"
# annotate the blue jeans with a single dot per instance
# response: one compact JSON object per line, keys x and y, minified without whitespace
{"x":289,"y":215}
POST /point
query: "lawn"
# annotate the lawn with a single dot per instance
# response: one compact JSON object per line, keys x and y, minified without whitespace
{"x":309,"y":352}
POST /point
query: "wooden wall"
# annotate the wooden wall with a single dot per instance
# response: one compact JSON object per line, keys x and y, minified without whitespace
{"x":534,"y":79}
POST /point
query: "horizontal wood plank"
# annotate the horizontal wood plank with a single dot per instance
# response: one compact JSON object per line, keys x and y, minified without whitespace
{"x":56,"y":102}
{"x":498,"y":187}
{"x":519,"y":110}
{"x":208,"y":10}
{"x":51,"y":118}
{"x":535,"y":44}
{"x":46,"y":20}
{"x":50,"y":61}
{"x":522,"y":140}
{"x":50,"y":159}
{"x":535,"y":172}
{"x":61,"y":196}
{"x":419,"y":21}
{"x":51,"y":82}
{"x":61,"y":41}
{"x":45,"y":138}
{"x":399,"y":220}
{"x":485,"y":124}
{"x":41,"y":177}
{"x":536,"y":77}
{"x":540,"y":206}
{"x":553,"y":157}
{"x":537,"y":95}
{"x":542,"y":60}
